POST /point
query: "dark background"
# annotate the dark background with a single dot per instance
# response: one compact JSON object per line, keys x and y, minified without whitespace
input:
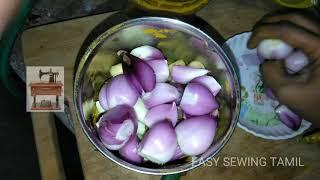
{"x":18,"y":154}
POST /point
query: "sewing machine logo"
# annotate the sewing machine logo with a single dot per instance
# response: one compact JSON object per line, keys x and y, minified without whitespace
{"x":45,"y":88}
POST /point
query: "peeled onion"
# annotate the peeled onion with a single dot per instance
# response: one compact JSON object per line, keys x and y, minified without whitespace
{"x":162,"y":112}
{"x":296,"y":61}
{"x":103,"y":97}
{"x":184,"y":74}
{"x":159,"y":144}
{"x":118,"y":91}
{"x":209,"y":82}
{"x":160,"y":68}
{"x":130,"y":151}
{"x":196,"y":134}
{"x":198,"y":100}
{"x":288,"y":118}
{"x":117,"y":126}
{"x":162,"y":93}
{"x":274,"y":49}
{"x":147,"y":53}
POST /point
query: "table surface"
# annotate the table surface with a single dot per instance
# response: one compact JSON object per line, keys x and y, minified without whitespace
{"x":58,"y":45}
{"x":43,"y":84}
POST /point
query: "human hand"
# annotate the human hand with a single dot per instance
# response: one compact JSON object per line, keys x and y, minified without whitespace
{"x":300,"y":92}
{"x":7,"y":11}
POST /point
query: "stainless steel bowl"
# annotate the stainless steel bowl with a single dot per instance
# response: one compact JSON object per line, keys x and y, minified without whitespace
{"x":177,"y":40}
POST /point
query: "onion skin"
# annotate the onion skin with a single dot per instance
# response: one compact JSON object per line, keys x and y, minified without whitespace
{"x":198,"y":100}
{"x":117,"y":126}
{"x":162,"y":112}
{"x":161,"y":94}
{"x":274,"y":49}
{"x":130,"y":151}
{"x":140,"y":73}
{"x":184,"y":74}
{"x":196,"y":134}
{"x":209,"y":82}
{"x":147,"y":53}
{"x":159,"y":144}
{"x":160,"y":68}
{"x":288,"y":118}
{"x":296,"y":61}
{"x":119,"y":91}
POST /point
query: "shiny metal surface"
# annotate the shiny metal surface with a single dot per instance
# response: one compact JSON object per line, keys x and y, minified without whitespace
{"x":102,"y":50}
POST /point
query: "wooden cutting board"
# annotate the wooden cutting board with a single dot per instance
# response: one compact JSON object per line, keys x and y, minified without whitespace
{"x":58,"y":44}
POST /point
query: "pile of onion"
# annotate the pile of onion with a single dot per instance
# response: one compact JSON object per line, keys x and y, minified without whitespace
{"x":157,"y":112}
{"x":294,"y":61}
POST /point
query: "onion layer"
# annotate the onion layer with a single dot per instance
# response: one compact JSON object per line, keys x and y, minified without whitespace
{"x":116,"y":126}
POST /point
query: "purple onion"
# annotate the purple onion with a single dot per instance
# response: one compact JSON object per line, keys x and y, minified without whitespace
{"x":139,"y":73}
{"x":159,"y":144}
{"x":195,"y":135}
{"x":118,"y":91}
{"x":274,"y":49}
{"x":130,"y":151}
{"x":288,"y":118}
{"x":162,"y":112}
{"x":178,"y":154}
{"x":147,"y":53}
{"x":161,"y":69}
{"x":270,"y":94}
{"x":161,"y":94}
{"x":116,"y":126}
{"x":209,"y":82}
{"x":198,"y":100}
{"x":103,"y":97}
{"x":296,"y":61}
{"x":184,"y":74}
